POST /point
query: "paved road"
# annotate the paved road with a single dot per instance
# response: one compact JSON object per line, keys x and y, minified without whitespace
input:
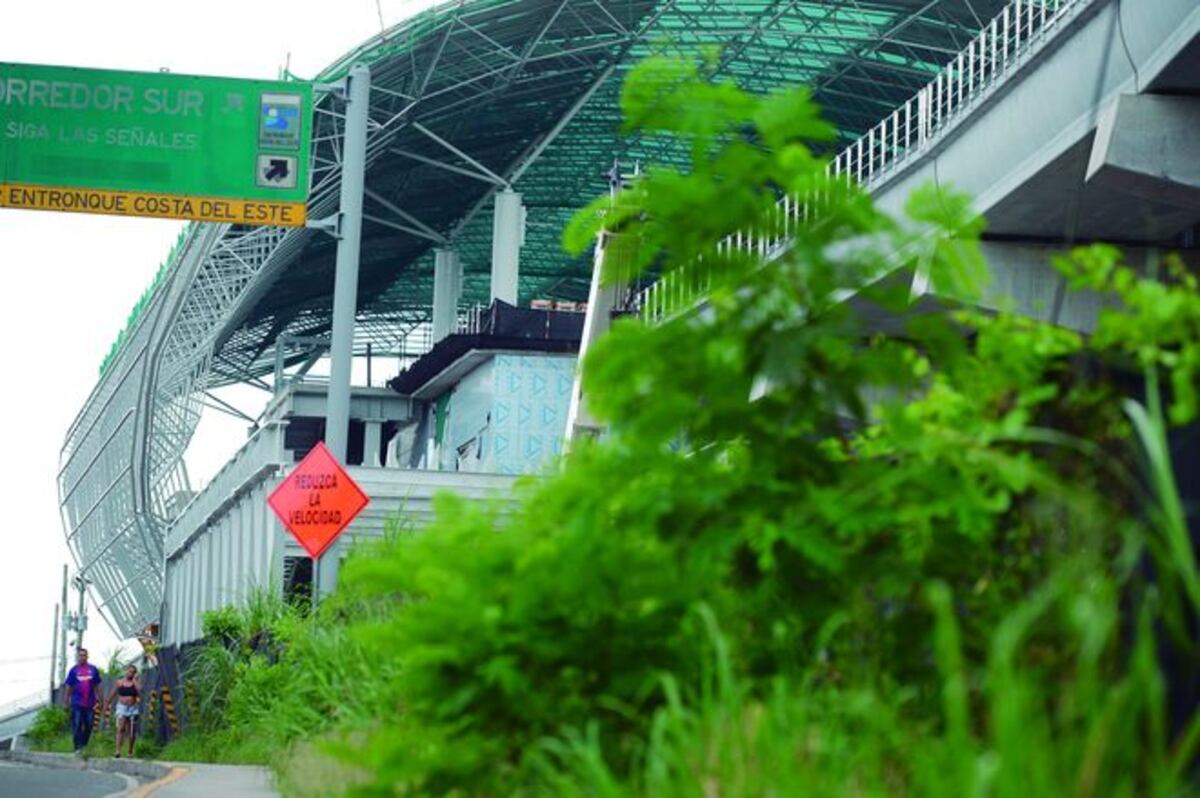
{"x":18,"y":780}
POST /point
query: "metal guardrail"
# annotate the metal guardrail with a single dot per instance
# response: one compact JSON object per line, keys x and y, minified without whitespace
{"x":17,"y":716}
{"x":32,"y":701}
{"x":1006,"y":43}
{"x":419,"y":340}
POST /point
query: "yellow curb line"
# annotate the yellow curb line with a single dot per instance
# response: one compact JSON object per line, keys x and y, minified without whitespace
{"x":146,"y":789}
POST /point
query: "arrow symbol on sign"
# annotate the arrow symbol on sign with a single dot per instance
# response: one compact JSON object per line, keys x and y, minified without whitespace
{"x":278,"y":170}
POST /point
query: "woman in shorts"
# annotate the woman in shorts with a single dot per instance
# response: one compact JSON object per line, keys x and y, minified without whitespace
{"x":127,"y":693}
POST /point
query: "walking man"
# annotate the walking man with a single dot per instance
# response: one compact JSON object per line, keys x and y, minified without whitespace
{"x":82,"y":691}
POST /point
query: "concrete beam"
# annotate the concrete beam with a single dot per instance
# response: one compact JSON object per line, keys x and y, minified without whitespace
{"x":1146,"y":146}
{"x":1024,"y":281}
{"x":1016,"y":151}
{"x":605,"y":294}
{"x":372,"y":441}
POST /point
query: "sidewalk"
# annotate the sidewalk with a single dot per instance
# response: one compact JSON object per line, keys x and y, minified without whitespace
{"x":165,"y":779}
{"x":206,"y":781}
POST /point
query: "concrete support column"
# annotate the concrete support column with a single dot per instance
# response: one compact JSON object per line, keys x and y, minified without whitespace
{"x":606,"y":293}
{"x":447,"y":290}
{"x":508,"y":236}
{"x":345,"y":284}
{"x":372,"y":439}
{"x":393,"y":451}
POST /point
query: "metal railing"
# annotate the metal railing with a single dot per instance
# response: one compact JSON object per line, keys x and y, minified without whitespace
{"x":1007,"y":42}
{"x":418,"y":341}
{"x":474,"y":320}
{"x":24,"y":704}
{"x":262,"y":452}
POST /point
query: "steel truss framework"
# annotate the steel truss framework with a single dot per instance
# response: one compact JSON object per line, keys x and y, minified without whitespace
{"x":466,"y":98}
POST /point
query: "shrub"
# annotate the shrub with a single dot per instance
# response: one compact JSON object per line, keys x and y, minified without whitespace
{"x":807,"y":558}
{"x":939,"y":525}
{"x":223,"y":626}
{"x":49,"y":723}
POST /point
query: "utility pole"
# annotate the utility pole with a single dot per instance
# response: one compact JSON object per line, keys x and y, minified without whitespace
{"x":62,"y":631}
{"x":81,"y":584}
{"x":54,"y":655}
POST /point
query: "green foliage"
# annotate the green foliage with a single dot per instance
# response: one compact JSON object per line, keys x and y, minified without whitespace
{"x":506,"y":638}
{"x":212,"y":672}
{"x":223,"y":625}
{"x":49,"y":723}
{"x":1017,"y":733}
{"x":271,"y":673}
{"x":924,"y":536}
{"x":145,"y":746}
{"x":809,"y":558}
{"x":51,"y":731}
{"x":308,"y":770}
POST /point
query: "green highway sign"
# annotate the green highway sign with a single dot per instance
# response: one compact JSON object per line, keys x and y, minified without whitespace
{"x":154,"y":144}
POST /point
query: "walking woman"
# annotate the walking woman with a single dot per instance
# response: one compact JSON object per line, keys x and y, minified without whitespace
{"x":127,"y":693}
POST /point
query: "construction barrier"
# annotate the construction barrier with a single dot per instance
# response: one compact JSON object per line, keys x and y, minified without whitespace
{"x":193,"y":709}
{"x":169,"y":708}
{"x":151,"y":718}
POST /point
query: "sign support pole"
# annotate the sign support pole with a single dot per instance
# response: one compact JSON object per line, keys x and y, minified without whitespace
{"x":345,"y":292}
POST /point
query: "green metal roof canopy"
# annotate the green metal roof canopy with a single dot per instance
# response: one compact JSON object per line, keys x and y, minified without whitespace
{"x":470,"y":95}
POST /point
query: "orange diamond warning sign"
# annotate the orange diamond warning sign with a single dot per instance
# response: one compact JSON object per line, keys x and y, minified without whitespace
{"x":317,"y":500}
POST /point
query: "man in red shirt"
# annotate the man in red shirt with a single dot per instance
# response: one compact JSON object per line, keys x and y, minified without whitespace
{"x":82,"y":692}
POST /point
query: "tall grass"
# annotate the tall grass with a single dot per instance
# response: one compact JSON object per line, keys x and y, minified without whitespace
{"x":271,"y":673}
{"x":1017,"y":731}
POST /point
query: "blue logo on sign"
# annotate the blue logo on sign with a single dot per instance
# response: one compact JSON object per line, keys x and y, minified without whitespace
{"x":279,"y":117}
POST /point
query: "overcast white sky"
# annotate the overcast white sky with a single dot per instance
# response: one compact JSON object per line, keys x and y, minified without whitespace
{"x":70,"y":280}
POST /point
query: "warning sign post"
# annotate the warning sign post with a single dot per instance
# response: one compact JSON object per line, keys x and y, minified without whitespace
{"x":317,"y":501}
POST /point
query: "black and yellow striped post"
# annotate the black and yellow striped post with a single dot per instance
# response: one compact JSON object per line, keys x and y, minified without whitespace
{"x":192,"y":707}
{"x":169,"y":708}
{"x":152,"y":713}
